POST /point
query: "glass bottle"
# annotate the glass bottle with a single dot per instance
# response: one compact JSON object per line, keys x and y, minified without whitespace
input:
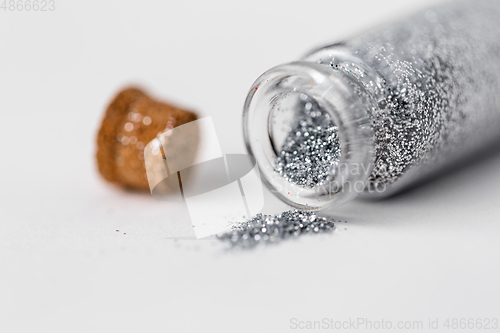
{"x":380,"y":111}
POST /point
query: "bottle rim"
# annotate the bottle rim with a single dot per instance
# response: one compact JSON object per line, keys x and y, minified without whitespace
{"x":349,"y":105}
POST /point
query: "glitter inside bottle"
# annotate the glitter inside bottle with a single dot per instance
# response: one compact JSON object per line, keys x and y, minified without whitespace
{"x":379,"y":111}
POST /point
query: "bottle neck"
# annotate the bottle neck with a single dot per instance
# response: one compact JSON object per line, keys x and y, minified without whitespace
{"x":341,"y":58}
{"x":273,"y":114}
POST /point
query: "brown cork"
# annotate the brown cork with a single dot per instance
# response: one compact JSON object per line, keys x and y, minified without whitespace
{"x":131,"y":121}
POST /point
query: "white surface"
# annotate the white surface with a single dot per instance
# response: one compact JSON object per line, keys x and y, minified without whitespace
{"x":209,"y":216}
{"x":253,"y":190}
{"x":430,"y":253}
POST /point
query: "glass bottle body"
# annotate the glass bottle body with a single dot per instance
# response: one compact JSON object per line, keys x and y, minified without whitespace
{"x":404,"y":102}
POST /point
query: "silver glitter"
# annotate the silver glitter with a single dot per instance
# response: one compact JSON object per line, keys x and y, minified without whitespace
{"x":274,"y":228}
{"x":311,"y":149}
{"x":439,"y":95}
{"x":436,"y":79}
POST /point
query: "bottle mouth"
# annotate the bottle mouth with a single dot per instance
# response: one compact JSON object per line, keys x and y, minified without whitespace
{"x":308,"y":127}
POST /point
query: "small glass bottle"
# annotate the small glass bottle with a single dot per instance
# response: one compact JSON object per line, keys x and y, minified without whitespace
{"x":380,"y":111}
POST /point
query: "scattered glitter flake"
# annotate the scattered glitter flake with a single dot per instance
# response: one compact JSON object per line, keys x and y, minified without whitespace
{"x":275,"y":228}
{"x":311,"y":149}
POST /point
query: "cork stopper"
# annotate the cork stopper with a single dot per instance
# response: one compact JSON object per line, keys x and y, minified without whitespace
{"x":131,"y":121}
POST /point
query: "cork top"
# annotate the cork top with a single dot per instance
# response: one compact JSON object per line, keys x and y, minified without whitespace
{"x":131,"y":121}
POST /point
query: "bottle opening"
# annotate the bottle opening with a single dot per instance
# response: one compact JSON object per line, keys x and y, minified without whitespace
{"x":305,"y":140}
{"x":305,"y":124}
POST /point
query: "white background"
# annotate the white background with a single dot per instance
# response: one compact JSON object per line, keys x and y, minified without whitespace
{"x":429,"y":253}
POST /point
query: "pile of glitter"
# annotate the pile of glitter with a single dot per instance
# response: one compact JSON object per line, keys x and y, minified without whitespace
{"x":274,"y":228}
{"x":311,"y":149}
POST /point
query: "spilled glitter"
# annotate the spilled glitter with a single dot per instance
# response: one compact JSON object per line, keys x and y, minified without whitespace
{"x":268,"y":229}
{"x":311,"y":149}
